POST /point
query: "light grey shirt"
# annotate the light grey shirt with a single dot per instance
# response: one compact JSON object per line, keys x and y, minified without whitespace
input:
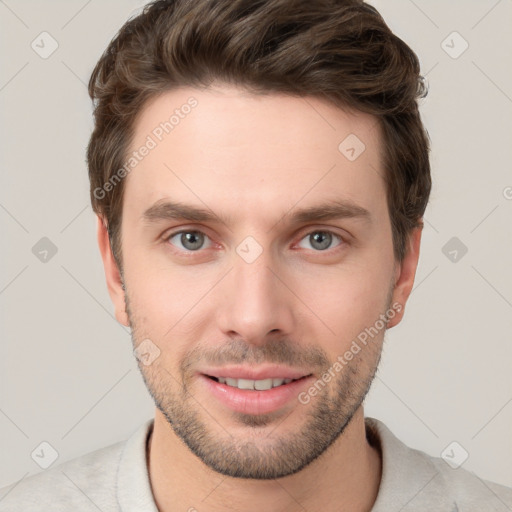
{"x":115,"y":479}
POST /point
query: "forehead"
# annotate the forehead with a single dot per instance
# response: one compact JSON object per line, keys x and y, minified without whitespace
{"x":234,"y":149}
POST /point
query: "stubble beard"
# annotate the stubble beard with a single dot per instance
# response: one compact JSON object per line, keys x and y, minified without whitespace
{"x":265,"y":451}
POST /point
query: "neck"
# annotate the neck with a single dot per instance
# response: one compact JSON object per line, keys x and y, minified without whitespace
{"x":345,"y":478}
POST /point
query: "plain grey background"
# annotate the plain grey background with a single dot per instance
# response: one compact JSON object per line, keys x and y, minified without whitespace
{"x":68,"y":375}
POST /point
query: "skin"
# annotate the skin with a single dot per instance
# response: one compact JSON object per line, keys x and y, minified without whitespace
{"x":255,"y":160}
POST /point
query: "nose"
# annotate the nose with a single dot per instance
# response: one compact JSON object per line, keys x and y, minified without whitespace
{"x":255,"y":302}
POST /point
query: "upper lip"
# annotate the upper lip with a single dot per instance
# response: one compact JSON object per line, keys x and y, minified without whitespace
{"x":255,"y":373}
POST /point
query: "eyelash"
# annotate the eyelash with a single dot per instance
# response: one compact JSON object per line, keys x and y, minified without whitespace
{"x":343,"y":241}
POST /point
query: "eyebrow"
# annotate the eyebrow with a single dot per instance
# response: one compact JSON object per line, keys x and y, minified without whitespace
{"x":336,"y":209}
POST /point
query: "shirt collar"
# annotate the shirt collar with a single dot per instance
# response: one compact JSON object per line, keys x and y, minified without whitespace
{"x":409,"y":481}
{"x":133,"y":485}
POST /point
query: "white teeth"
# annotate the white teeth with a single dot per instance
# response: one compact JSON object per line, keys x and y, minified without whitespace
{"x":245,"y":384}
{"x":260,"y":385}
{"x":263,"y":385}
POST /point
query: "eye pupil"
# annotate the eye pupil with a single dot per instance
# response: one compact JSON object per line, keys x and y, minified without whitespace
{"x":192,"y":240}
{"x":322,"y":238}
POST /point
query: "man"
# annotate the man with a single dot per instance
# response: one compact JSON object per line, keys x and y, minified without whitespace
{"x":260,"y":171}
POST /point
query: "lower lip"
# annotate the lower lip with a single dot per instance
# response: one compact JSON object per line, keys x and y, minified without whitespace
{"x":249,"y":401}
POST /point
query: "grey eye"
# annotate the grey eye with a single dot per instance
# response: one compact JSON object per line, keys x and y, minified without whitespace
{"x":320,"y":240}
{"x":189,"y":240}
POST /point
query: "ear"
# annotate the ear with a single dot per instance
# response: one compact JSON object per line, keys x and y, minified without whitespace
{"x":405,"y":272}
{"x":112,"y":274}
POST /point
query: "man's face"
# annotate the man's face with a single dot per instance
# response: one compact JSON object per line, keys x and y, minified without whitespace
{"x":261,"y":291}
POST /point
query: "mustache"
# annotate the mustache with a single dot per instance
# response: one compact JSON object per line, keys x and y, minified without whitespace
{"x":237,"y":351}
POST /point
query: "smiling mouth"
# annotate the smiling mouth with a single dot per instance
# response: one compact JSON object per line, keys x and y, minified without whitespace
{"x":255,"y":385}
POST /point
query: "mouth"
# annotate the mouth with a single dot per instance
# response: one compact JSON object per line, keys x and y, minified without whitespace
{"x":250,"y":391}
{"x":256,"y":385}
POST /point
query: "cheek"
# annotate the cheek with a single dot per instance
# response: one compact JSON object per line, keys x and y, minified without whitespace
{"x":157,"y":287}
{"x":166,"y":304}
{"x":348,"y":298}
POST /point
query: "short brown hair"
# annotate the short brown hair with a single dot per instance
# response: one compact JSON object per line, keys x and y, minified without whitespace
{"x":339,"y":50}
